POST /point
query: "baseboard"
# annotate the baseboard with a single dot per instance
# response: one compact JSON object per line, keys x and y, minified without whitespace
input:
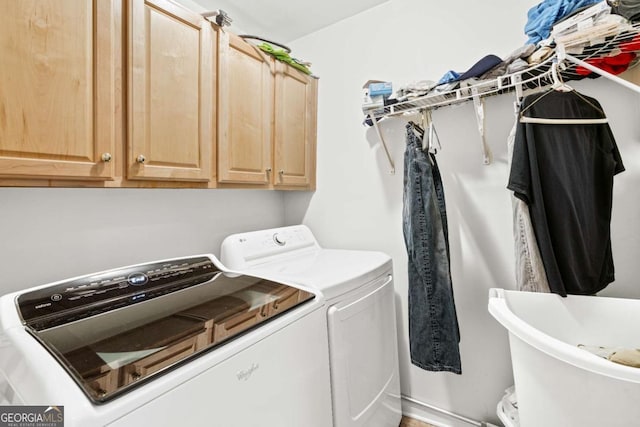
{"x":430,"y":414}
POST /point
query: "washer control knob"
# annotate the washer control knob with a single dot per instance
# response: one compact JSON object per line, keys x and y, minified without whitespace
{"x":280,"y":241}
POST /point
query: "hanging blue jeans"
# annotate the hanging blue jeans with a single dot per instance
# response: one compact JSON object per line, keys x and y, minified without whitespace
{"x":433,"y":324}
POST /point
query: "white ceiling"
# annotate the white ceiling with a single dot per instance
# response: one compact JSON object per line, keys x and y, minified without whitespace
{"x":282,"y":20}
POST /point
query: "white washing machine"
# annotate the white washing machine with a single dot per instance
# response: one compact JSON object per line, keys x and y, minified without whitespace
{"x":168,"y":343}
{"x":358,"y":287}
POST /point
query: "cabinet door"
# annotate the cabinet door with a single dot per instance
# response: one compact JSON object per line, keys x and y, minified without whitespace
{"x":296,"y":101}
{"x":245,"y":112}
{"x":58,"y":100}
{"x":171,"y":57}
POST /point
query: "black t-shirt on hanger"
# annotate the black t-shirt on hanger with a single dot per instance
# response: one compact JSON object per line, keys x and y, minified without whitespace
{"x":564,"y":172}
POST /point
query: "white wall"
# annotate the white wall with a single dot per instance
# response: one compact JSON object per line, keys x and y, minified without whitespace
{"x":358,"y":204}
{"x":49,"y":234}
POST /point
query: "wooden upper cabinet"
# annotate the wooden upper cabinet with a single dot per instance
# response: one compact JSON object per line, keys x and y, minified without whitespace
{"x":267,"y":119}
{"x":296,"y":99}
{"x":171,"y":93}
{"x":58,"y":99}
{"x":245,"y":112}
{"x":194,"y":96}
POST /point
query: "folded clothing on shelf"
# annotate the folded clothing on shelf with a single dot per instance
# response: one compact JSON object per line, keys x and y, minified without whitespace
{"x":581,"y":19}
{"x":514,"y":62}
{"x":542,"y":16}
{"x":630,"y":9}
{"x":607,"y":26}
{"x":612,"y":64}
{"x":632,"y":45}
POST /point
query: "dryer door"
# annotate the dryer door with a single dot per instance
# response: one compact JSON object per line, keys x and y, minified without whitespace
{"x":364,"y":357}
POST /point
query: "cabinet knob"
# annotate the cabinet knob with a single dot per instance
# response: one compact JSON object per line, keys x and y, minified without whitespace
{"x":106,"y":157}
{"x":136,"y":376}
{"x":268,"y":170}
{"x":141,"y":159}
{"x":281,"y":171}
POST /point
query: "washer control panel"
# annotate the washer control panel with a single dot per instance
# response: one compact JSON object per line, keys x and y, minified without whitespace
{"x":89,"y":295}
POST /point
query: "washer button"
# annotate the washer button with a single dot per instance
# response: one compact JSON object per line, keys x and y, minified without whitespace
{"x":56,"y":297}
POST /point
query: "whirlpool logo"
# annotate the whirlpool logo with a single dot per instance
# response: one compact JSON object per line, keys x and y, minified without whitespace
{"x":31,"y":416}
{"x":245,"y":374}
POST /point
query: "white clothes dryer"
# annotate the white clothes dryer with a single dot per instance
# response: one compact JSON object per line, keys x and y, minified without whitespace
{"x":358,"y":287}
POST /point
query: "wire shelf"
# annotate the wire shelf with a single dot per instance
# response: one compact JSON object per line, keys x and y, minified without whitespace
{"x":624,"y":38}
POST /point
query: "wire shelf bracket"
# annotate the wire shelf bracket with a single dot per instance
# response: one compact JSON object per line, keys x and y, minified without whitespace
{"x":384,"y":144}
